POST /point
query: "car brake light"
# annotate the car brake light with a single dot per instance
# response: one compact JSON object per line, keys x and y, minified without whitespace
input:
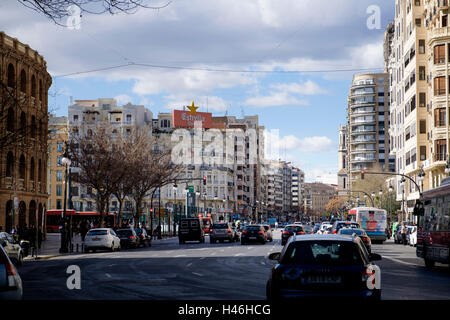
{"x":366,"y":239}
{"x":210,"y":230}
{"x":229,"y":230}
{"x":131,"y":237}
{"x":286,"y":232}
{"x":334,"y":231}
{"x":301,"y":232}
{"x":244,"y":232}
{"x":260,"y":232}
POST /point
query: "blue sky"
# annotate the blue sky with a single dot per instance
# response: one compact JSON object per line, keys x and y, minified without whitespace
{"x":269,"y":35}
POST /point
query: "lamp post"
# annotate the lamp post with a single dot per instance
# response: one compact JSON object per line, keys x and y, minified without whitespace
{"x":390,"y":199}
{"x":64,"y":244}
{"x":402,"y":183}
{"x":421,"y":177}
{"x":175,"y":209}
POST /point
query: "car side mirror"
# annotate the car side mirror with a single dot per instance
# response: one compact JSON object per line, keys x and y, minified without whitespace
{"x":375,"y":257}
{"x":274,"y":256}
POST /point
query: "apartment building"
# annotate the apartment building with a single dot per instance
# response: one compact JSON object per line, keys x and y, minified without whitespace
{"x":297,"y":182}
{"x":83,"y":117}
{"x":56,"y":175}
{"x":366,"y":141}
{"x":434,"y":153}
{"x":317,"y":196}
{"x":409,"y":78}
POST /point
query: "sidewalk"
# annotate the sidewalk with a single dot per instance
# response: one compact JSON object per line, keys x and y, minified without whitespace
{"x":50,"y":247}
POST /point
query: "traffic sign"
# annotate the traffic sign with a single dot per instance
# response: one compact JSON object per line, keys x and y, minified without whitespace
{"x":191,"y":189}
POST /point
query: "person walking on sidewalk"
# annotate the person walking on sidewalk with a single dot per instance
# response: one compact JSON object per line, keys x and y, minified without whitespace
{"x":83,"y":229}
{"x":403,"y":233}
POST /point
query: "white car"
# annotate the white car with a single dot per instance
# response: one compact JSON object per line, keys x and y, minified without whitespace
{"x":101,"y":238}
{"x":12,"y":248}
{"x":10,"y":282}
{"x":324,"y":227}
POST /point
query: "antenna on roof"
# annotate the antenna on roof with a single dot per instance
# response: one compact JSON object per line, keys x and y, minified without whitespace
{"x":242,"y":112}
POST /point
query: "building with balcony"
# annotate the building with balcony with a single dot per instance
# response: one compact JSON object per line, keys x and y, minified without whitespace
{"x":24,"y":84}
{"x":410,"y":77}
{"x":56,"y":175}
{"x":364,"y":141}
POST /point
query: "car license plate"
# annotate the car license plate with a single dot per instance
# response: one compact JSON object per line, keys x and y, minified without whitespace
{"x":253,"y":238}
{"x":324,"y":279}
{"x":96,"y":239}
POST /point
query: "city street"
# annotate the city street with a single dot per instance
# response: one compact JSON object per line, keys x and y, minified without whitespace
{"x":206,"y":271}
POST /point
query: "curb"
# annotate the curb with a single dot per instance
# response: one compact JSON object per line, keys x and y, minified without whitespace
{"x":45,"y":257}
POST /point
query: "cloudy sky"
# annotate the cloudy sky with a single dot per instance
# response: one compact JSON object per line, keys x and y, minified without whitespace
{"x":275,"y":36}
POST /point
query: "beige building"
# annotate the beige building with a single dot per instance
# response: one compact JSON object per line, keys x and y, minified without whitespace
{"x":435,"y":150}
{"x":317,"y":196}
{"x":409,"y":73}
{"x":57,"y":138}
{"x":23,"y":134}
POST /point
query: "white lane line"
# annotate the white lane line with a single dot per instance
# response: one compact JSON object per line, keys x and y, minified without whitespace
{"x":238,"y":254}
{"x":214,"y":253}
{"x":108,"y":275}
{"x":180,"y":255}
{"x":189,"y":264}
{"x":197,"y":274}
{"x":399,"y":261}
{"x":263,"y":263}
{"x":249,"y":248}
{"x":202,"y":258}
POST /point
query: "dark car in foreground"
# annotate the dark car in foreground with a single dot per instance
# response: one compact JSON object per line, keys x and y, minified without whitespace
{"x":291,"y":230}
{"x":360,"y":233}
{"x":10,"y":281}
{"x":318,"y":266}
{"x":253,"y":233}
{"x":128,"y":238}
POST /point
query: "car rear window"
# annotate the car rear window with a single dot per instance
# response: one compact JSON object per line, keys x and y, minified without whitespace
{"x":124,"y":232}
{"x":253,"y":228}
{"x":97,"y":233}
{"x":328,"y":253}
{"x":294,"y":228}
{"x":352,"y":231}
{"x":220,"y":226}
{"x":138,"y":231}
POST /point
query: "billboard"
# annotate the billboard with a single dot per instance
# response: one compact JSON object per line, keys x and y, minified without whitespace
{"x":187,"y":119}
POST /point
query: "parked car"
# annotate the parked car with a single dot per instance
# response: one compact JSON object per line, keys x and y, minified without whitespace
{"x":12,"y":248}
{"x":411,"y":235}
{"x":253,"y":233}
{"x":143,"y":238}
{"x":324,"y":227}
{"x":220,"y":232}
{"x":291,"y":230}
{"x":308,"y":229}
{"x":322,"y":266}
{"x":316,"y":227}
{"x":128,"y":238}
{"x":268,"y":230}
{"x":101,"y":238}
{"x":191,"y":229}
{"x":10,"y":281}
{"x":343,"y":224}
{"x":360,"y":233}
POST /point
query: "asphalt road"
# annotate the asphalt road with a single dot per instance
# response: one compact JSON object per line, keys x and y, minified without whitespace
{"x":207,"y":271}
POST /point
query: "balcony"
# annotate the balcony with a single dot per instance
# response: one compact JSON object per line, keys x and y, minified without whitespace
{"x":440,"y":157}
{"x":436,"y":33}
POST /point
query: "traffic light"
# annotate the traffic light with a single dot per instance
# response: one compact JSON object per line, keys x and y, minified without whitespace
{"x":362,"y":174}
{"x":204,"y":181}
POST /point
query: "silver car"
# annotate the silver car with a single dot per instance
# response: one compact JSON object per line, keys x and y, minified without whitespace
{"x":12,"y":248}
{"x":10,"y":281}
{"x":221,"y":231}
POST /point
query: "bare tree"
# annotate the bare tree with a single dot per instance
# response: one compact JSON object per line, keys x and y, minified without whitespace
{"x":57,"y":10}
{"x":335,"y":205}
{"x":96,"y":157}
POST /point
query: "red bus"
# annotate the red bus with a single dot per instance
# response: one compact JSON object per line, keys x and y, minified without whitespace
{"x":53,"y":218}
{"x":433,"y":232}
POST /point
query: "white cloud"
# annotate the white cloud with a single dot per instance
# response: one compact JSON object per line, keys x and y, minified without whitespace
{"x":275,"y":99}
{"x":278,"y":145}
{"x":307,"y":88}
{"x":123,"y":99}
{"x":205,"y":103}
{"x":321,"y":175}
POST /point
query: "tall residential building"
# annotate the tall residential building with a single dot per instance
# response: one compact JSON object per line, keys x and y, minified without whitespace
{"x":367,"y":124}
{"x":409,"y":78}
{"x":343,"y":171}
{"x":84,"y":116}
{"x":297,"y":182}
{"x":23,"y":134}
{"x":434,"y":152}
{"x":57,"y":138}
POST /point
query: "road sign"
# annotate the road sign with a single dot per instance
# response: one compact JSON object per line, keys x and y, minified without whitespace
{"x":191,"y":189}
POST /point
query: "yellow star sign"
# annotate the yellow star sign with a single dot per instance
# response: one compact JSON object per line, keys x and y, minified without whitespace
{"x":193,"y":108}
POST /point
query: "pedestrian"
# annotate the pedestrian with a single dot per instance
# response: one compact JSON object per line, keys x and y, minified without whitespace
{"x":32,"y":236}
{"x":84,"y":227}
{"x":403,"y":233}
{"x":39,"y":237}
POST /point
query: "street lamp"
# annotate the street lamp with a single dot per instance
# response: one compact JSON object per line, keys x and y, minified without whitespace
{"x":175,"y":211}
{"x":402,"y":182}
{"x":64,"y":244}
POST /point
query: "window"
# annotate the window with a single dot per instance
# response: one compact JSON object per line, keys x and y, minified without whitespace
{"x":128,"y":117}
{"x":74,"y":191}
{"x":439,"y":86}
{"x":423,"y":153}
{"x":439,"y":117}
{"x":421,"y":46}
{"x":58,"y":204}
{"x":422,"y":99}
{"x":444,"y":20}
{"x":407,"y":133}
{"x":408,"y":159}
{"x":439,"y":54}
{"x":59,"y":161}
{"x":417,"y":2}
{"x":59,"y":190}
{"x":423,"y":126}
{"x":59,"y":146}
{"x":422,"y":75}
{"x":59,"y":175}
{"x":75,"y":117}
{"x":418,"y":22}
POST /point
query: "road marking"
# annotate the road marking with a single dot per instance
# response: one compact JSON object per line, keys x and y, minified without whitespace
{"x":180,"y":255}
{"x":197,"y":274}
{"x":263,"y":263}
{"x":213,"y":253}
{"x":111,"y":265}
{"x":202,"y":258}
{"x":249,"y":248}
{"x":238,"y":254}
{"x":108,"y":275}
{"x":189,"y":264}
{"x":400,"y":261}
